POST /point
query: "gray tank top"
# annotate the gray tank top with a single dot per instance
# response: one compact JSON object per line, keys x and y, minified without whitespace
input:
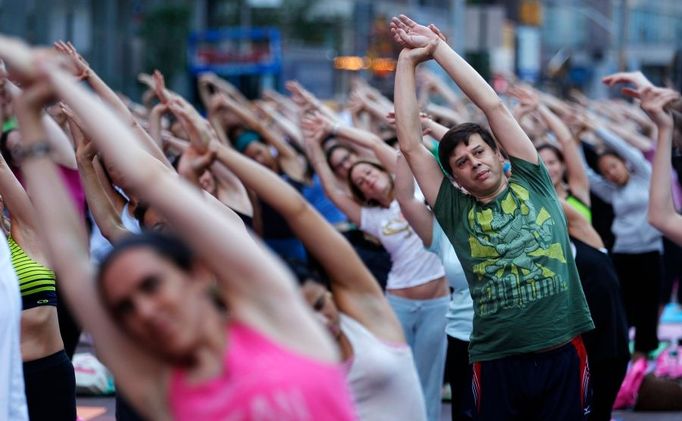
{"x":382,"y":377}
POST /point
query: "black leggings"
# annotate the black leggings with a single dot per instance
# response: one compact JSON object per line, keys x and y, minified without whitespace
{"x":125,"y":411}
{"x":606,"y":377}
{"x":50,"y":385}
{"x":68,"y":327}
{"x":640,"y":278}
{"x":459,"y":374}
{"x":672,"y":271}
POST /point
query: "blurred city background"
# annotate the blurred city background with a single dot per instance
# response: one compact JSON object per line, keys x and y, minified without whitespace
{"x":256,"y":44}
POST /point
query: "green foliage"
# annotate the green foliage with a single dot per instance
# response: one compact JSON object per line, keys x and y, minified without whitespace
{"x":165,"y":30}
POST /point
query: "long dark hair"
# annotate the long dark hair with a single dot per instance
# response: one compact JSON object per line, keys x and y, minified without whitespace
{"x":167,"y":246}
{"x":357,"y":193}
{"x":610,"y":152}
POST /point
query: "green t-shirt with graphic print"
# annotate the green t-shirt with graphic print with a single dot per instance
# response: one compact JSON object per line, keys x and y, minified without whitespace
{"x":517,"y":258}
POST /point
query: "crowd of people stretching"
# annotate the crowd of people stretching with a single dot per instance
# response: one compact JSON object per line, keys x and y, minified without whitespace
{"x":286,"y":258}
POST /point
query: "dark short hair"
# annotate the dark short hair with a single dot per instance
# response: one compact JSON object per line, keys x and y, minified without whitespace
{"x":608,"y":152}
{"x":357,"y":193}
{"x":328,"y":154}
{"x":305,"y":272}
{"x":167,"y":246}
{"x":324,"y":142}
{"x":550,"y":147}
{"x":461,"y":134}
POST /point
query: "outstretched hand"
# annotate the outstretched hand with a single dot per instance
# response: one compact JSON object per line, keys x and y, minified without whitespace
{"x":81,"y":67}
{"x":196,"y":127}
{"x":423,"y":118}
{"x":301,"y":96}
{"x":160,"y":87}
{"x":525,"y":94}
{"x":655,"y":102}
{"x":316,"y":125}
{"x":312,"y":140}
{"x":635,"y":78}
{"x":195,"y":161}
{"x":410,"y":34}
{"x":418,"y":41}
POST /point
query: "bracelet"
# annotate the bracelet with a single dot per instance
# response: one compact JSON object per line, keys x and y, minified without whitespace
{"x":335,"y":128}
{"x":36,"y":150}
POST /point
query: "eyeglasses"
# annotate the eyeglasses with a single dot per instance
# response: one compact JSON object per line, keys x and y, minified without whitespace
{"x":342,"y":162}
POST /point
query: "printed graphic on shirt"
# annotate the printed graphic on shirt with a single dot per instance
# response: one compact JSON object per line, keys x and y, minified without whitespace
{"x":395,"y":226}
{"x":511,"y":245}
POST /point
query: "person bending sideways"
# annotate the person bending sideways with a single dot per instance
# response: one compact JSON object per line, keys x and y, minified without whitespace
{"x":511,"y":238}
{"x":149,"y":308}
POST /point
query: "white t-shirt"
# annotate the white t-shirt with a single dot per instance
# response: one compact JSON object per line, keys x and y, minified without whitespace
{"x":460,"y":313}
{"x":12,"y":397}
{"x":412,"y":265}
{"x":100,"y":246}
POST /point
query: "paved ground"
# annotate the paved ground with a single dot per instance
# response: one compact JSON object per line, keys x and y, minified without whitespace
{"x":107,"y":404}
{"x":102,"y":409}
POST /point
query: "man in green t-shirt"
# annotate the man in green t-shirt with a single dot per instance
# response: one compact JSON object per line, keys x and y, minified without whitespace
{"x":510,"y":235}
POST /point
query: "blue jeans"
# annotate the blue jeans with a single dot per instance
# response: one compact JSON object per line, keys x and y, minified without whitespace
{"x":423,"y":323}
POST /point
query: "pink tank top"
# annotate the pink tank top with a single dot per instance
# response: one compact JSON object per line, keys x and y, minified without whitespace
{"x":263,"y":381}
{"x":72,"y":181}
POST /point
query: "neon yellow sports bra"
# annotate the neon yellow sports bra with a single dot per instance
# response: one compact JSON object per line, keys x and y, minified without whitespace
{"x":37,"y":283}
{"x":581,"y":207}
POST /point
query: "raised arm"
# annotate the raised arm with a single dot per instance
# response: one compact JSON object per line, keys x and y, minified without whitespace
{"x":362,"y":138}
{"x":62,"y":149}
{"x":409,"y":127}
{"x":577,"y":178}
{"x":307,"y":101}
{"x":639,"y":163}
{"x":256,"y":286}
{"x":193,"y":164}
{"x":444,"y":113}
{"x":631,"y":136}
{"x":662,"y":213}
{"x":155,"y":123}
{"x":356,"y":292}
{"x":505,"y":128}
{"x":414,"y":210}
{"x":141,"y":376}
{"x":436,"y":130}
{"x":17,"y":201}
{"x":84,"y":72}
{"x":106,"y":215}
{"x":285,"y":124}
{"x":251,"y":120}
{"x":339,"y":197}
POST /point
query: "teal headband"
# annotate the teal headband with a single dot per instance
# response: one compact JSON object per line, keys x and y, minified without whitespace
{"x":245,"y":139}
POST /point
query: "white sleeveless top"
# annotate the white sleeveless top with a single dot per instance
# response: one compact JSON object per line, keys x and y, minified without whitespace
{"x":383,"y":378}
{"x":411,"y":263}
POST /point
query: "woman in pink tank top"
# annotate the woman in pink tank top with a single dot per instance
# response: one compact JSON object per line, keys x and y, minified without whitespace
{"x":379,"y":363}
{"x":155,"y":324}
